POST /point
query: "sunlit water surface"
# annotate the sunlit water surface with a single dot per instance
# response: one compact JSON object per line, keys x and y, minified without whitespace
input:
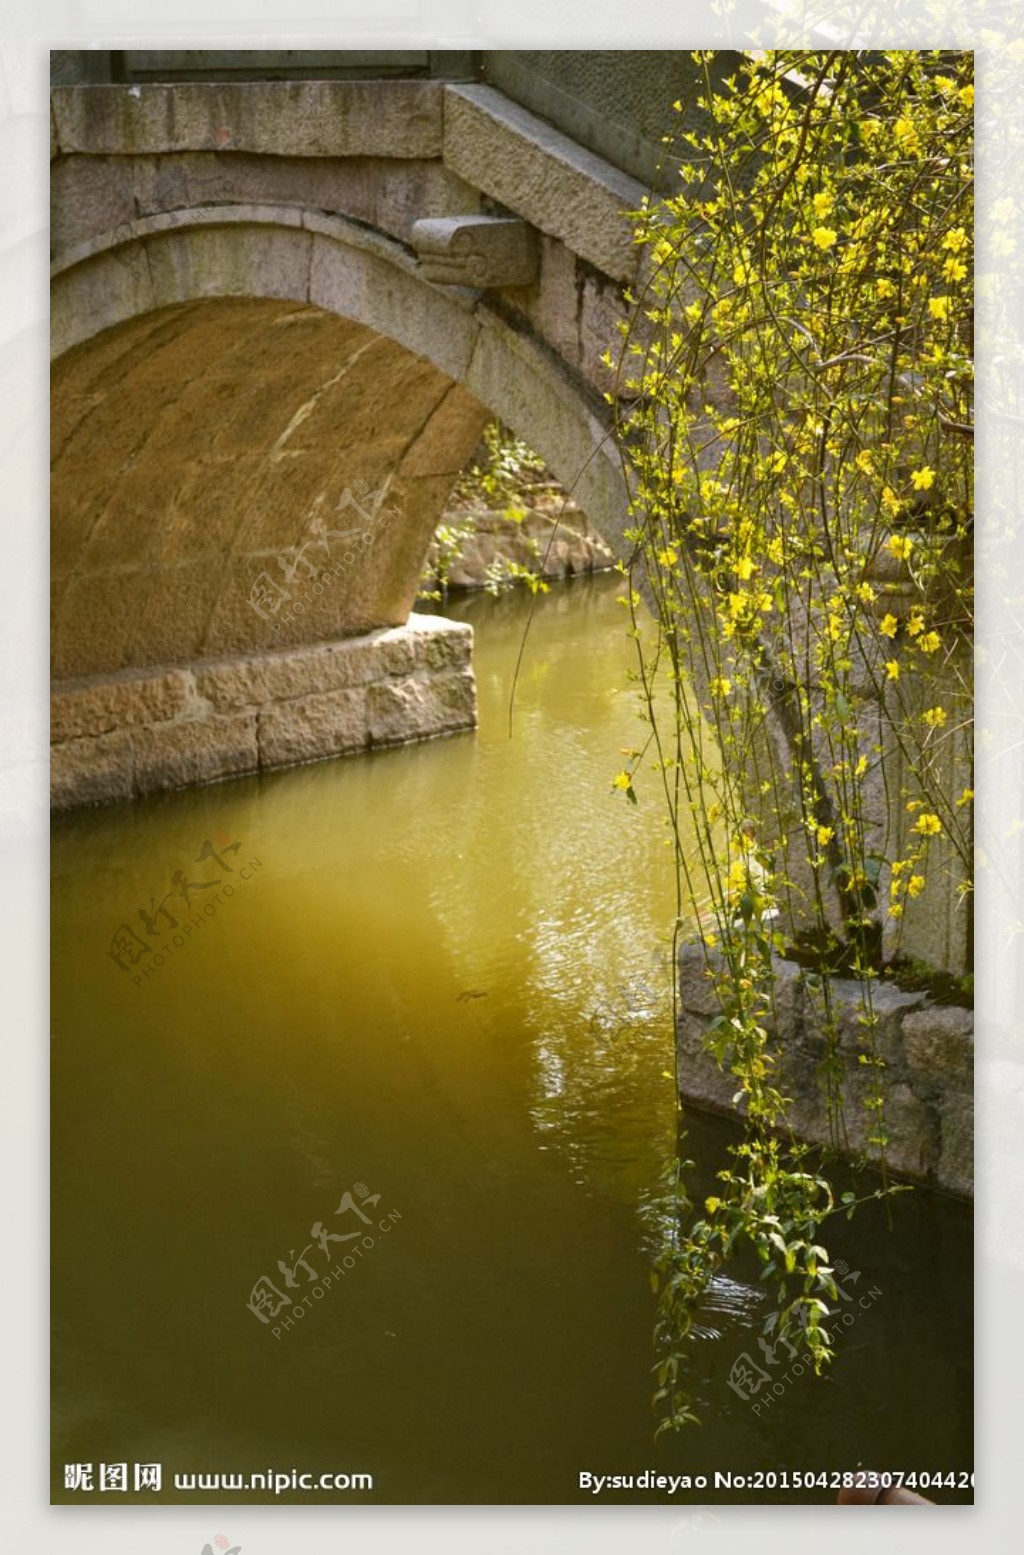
{"x":442,"y":985}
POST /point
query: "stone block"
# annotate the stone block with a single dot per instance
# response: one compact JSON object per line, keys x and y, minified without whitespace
{"x":194,"y":751}
{"x":382,"y":291}
{"x":698,"y":969}
{"x":477,"y":251}
{"x":91,"y":770}
{"x":279,"y":677}
{"x":313,"y":728}
{"x":273,"y":118}
{"x":544,"y":176}
{"x":913,"y":1148}
{"x":97,"y":707}
{"x":956,"y":1138}
{"x":940,"y":1041}
{"x":701,"y":1081}
{"x":420,"y":706}
{"x":441,"y":644}
{"x":890,"y":1006}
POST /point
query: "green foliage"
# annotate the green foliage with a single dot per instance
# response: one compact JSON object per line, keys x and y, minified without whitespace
{"x":449,"y":540}
{"x":499,"y":480}
{"x":796,"y":380}
{"x":504,"y":472}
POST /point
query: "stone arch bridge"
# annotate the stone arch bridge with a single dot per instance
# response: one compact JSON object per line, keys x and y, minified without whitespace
{"x":282,"y":313}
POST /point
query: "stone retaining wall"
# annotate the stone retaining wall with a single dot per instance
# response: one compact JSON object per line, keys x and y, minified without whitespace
{"x":552,"y":539}
{"x":928,"y":1050}
{"x":139,"y":732}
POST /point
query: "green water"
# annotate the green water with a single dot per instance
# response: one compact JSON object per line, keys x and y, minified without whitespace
{"x":440,"y":986}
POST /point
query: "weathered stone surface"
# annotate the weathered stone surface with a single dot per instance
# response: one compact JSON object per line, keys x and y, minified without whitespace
{"x":99,"y":706}
{"x":956,"y":1135}
{"x":90,"y":771}
{"x":273,"y":118}
{"x":418,"y":707}
{"x":542,"y":175}
{"x":178,"y":484}
{"x":238,"y":715}
{"x":928,"y":1108}
{"x":313,"y":728}
{"x":174,"y":755}
{"x":514,"y":376}
{"x":698,"y":970}
{"x":526,"y":541}
{"x":478,"y":251}
{"x":439,"y":643}
{"x":889,"y":1006}
{"x":940,"y":1040}
{"x":325,"y":667}
{"x":383,"y":291}
{"x":443,"y":446}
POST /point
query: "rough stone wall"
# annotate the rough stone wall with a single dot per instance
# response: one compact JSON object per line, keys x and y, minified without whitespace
{"x":138,"y":732}
{"x":928,"y":1051}
{"x":552,"y":539}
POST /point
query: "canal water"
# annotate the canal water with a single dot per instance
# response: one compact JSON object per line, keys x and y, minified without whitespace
{"x":361,"y":1178}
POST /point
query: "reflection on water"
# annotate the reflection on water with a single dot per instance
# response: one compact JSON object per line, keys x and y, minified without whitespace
{"x":445,"y":979}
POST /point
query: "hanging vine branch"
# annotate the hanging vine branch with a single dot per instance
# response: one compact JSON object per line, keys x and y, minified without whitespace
{"x":795,"y":411}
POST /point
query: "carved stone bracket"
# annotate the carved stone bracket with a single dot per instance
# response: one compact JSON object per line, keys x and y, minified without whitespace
{"x":477,"y":251}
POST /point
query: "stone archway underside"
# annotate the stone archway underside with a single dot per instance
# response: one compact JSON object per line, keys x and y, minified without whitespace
{"x":243,"y":493}
{"x":194,"y":448}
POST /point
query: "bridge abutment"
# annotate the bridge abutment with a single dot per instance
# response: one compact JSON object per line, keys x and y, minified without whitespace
{"x":139,"y":732}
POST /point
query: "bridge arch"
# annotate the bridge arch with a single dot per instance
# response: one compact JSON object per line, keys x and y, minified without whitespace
{"x":223,"y":374}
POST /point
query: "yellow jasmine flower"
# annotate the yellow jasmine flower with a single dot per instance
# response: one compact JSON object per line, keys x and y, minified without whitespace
{"x":966,"y":96}
{"x":934,"y":717}
{"x":824,"y":835}
{"x":901,"y":546}
{"x":888,"y":625}
{"x":938,"y":307}
{"x":823,"y":237}
{"x":892,"y":669}
{"x":923,"y":478}
{"x":906,"y":134}
{"x":915,"y":885}
{"x":930,"y":642}
{"x":721,"y":686}
{"x":928,"y":825}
